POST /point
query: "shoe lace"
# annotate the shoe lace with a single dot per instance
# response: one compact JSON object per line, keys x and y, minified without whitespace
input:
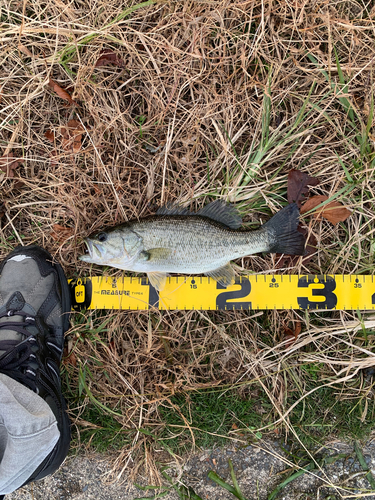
{"x":18,"y":357}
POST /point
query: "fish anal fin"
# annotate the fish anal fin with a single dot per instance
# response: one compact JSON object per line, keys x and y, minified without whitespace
{"x":158,"y":280}
{"x":172,"y":209}
{"x":222,"y":212}
{"x":223,"y":275}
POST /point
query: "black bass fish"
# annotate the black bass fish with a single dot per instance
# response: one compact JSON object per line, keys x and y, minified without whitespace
{"x":176,"y":240}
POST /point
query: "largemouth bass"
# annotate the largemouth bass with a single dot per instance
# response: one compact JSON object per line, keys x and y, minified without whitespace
{"x":176,"y":240}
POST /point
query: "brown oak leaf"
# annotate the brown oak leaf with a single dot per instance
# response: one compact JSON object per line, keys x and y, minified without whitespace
{"x":50,"y":136}
{"x":24,"y":50}
{"x":72,"y":136}
{"x":53,"y":158}
{"x":8,"y":164}
{"x":60,"y":91}
{"x":61,"y":233}
{"x":107,"y":58}
{"x":334,"y":211}
{"x":70,"y":359}
{"x":298,"y":186}
{"x":291,"y":335}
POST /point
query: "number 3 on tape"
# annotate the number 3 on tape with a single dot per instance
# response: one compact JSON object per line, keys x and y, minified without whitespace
{"x":327,"y":299}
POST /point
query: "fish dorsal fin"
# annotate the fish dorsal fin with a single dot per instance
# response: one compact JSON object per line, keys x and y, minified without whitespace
{"x":223,"y":212}
{"x":223,"y":275}
{"x":172,"y":209}
{"x":158,"y":280}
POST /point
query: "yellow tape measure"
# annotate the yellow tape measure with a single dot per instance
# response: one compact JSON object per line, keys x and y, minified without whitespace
{"x":251,"y":292}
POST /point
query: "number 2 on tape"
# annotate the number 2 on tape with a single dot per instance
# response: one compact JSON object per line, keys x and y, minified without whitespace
{"x":244,"y":291}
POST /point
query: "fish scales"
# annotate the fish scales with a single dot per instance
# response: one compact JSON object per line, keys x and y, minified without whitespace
{"x":197,"y":243}
{"x":177,"y":241}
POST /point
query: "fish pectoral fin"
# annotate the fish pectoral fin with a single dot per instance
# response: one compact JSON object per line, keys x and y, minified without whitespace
{"x":223,"y":275}
{"x":155,"y":254}
{"x":158,"y":280}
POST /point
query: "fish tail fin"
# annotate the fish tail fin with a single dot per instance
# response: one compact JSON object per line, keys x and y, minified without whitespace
{"x":286,"y":238}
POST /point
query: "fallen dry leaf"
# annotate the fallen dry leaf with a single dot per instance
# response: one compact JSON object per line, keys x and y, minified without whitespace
{"x":61,"y":233}
{"x":291,"y":335}
{"x":333,"y":211}
{"x":50,"y":136}
{"x":8,"y":164}
{"x":70,"y":359}
{"x":60,"y":91}
{"x":18,"y":183}
{"x":108,"y":58}
{"x":24,"y":50}
{"x":53,"y":158}
{"x":298,"y":186}
{"x":72,"y":136}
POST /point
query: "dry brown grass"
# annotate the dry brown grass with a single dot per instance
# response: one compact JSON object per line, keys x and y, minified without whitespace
{"x":196,"y":73}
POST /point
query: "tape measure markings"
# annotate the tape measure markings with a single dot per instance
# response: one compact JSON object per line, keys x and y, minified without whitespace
{"x":313,"y":292}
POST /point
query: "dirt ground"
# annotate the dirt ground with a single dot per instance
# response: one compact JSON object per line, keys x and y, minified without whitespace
{"x":259,"y":470}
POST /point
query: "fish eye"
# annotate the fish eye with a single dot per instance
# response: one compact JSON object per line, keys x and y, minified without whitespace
{"x":102,"y":237}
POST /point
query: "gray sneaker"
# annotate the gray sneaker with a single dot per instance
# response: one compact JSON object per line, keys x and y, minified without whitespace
{"x":34,"y":315}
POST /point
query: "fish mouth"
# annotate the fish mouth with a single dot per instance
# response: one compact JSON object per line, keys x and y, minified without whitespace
{"x":93,"y":253}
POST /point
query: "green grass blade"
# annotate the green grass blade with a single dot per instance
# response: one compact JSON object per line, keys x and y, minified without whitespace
{"x":185,"y":493}
{"x":362,"y":461}
{"x":191,"y":495}
{"x":82,"y":381}
{"x":67,"y":53}
{"x":365,"y":143}
{"x":311,"y":466}
{"x":147,"y":488}
{"x":145,"y":432}
{"x":348,"y":176}
{"x":344,"y":101}
{"x":333,"y":459}
{"x":218,"y":480}
{"x":370,"y":115}
{"x":291,"y":478}
{"x":266,"y":115}
{"x":301,"y":112}
{"x":158,"y":495}
{"x":129,"y":11}
{"x":316,"y":63}
{"x":235,"y":482}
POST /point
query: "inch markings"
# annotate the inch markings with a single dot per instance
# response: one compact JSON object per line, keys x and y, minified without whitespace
{"x":312,"y":292}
